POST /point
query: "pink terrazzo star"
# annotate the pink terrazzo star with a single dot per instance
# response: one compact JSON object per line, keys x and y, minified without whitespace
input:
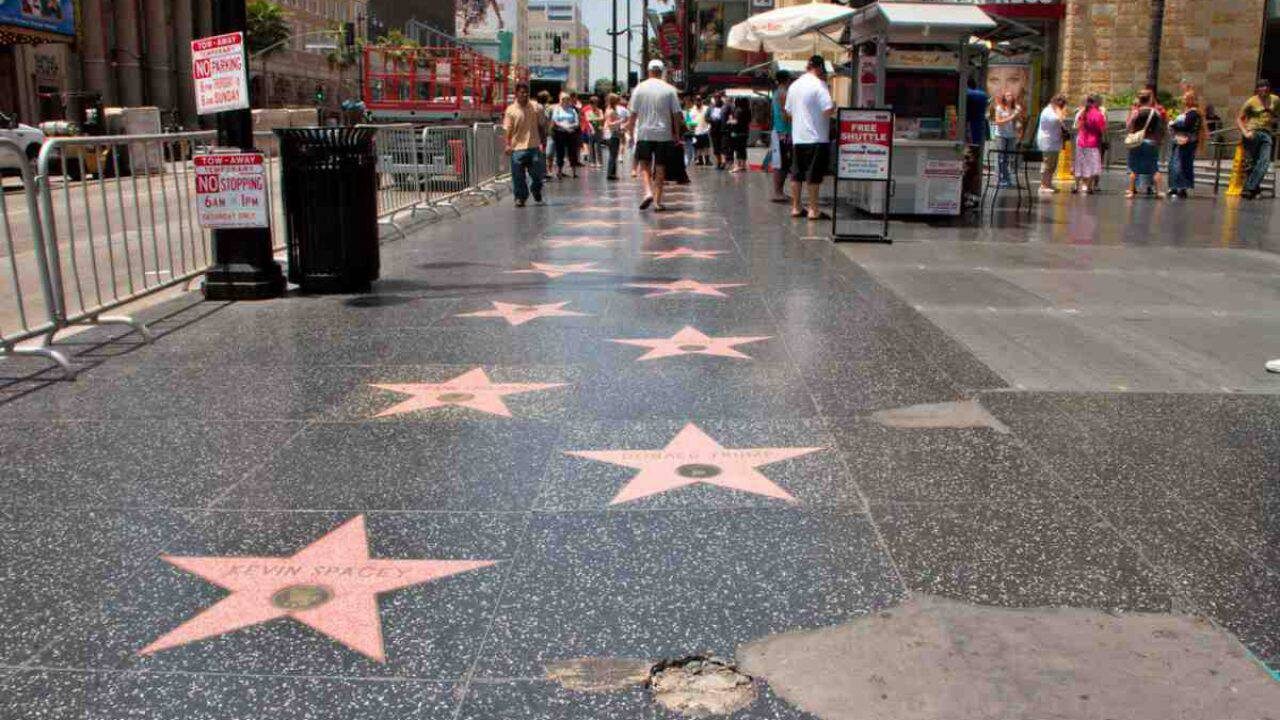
{"x":472,"y":389}
{"x":691,"y":341}
{"x":682,"y":214}
{"x":681,"y":230}
{"x":686,"y":287}
{"x":579,"y":242}
{"x":684,"y":252}
{"x":331,"y":586}
{"x":592,"y":223}
{"x":516,"y":314}
{"x":693,"y":457}
{"x":555,"y":271}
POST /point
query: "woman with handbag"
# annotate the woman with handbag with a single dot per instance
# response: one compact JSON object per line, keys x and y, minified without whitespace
{"x":1146,"y":132}
{"x":1189,"y":130}
{"x":1091,"y":126}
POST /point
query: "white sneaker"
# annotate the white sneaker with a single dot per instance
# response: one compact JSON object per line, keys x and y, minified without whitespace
{"x":1274,"y":366}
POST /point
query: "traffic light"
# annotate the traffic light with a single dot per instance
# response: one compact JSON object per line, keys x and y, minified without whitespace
{"x":349,"y":34}
{"x":556,"y":46}
{"x":319,"y":93}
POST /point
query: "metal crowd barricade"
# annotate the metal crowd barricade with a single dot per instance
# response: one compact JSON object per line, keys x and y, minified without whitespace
{"x":118,"y":219}
{"x":486,"y":160}
{"x":402,"y":183}
{"x":446,"y":165}
{"x":29,"y":310}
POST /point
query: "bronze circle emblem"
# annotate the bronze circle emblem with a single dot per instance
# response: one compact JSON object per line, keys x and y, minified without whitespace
{"x":301,"y":597}
{"x":454,"y":397}
{"x":691,"y":348}
{"x":698,"y":471}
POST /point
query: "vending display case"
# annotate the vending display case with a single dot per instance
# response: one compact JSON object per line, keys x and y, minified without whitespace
{"x":913,"y":59}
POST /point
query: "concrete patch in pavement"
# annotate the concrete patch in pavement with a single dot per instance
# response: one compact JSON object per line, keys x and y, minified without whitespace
{"x":932,"y":658}
{"x":959,"y":414}
{"x":599,"y":674}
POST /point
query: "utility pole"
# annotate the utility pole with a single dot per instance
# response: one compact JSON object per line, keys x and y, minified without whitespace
{"x":1153,"y":43}
{"x":629,"y":2}
{"x":613,"y":36}
{"x":243,"y":266}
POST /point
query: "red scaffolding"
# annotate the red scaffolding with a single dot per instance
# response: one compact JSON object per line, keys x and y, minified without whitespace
{"x":442,"y":83}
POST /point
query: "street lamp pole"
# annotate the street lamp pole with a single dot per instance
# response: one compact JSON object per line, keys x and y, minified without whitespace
{"x":644,"y":36}
{"x":243,"y":266}
{"x":613,"y":35}
{"x":629,"y":2}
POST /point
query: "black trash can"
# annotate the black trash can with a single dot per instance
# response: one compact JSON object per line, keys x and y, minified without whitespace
{"x":330,"y":178}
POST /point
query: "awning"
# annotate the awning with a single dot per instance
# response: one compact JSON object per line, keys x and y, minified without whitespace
{"x":938,"y":15}
{"x":923,"y":18}
{"x":797,"y":67}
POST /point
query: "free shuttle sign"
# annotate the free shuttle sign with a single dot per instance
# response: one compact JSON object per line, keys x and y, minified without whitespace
{"x":220,"y":73}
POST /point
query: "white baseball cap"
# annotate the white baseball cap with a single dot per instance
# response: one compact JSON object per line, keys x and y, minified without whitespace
{"x":656,"y":65}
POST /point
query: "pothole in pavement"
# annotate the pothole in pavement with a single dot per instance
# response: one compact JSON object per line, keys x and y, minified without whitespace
{"x":694,"y":686}
{"x":700,"y":686}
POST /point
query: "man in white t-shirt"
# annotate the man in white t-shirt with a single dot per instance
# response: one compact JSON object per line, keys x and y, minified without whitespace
{"x":655,"y":122}
{"x":809,"y":107}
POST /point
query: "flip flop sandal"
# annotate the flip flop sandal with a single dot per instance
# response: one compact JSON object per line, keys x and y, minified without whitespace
{"x":644,"y":204}
{"x":819,"y":216}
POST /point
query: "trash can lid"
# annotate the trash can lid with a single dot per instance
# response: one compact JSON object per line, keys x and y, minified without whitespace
{"x":334,"y":137}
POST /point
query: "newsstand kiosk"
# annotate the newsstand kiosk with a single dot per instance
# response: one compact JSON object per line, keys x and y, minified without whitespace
{"x":912,"y":58}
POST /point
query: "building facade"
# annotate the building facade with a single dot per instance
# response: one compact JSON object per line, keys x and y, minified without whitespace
{"x":137,"y":53}
{"x":562,"y":21}
{"x":294,"y":75}
{"x":1102,"y":46}
{"x":1215,"y":47}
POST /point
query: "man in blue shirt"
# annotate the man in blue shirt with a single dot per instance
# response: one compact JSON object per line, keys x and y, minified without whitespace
{"x":976,"y":133}
{"x":975,"y":115}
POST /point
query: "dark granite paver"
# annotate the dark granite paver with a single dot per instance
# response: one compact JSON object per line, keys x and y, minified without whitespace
{"x":249,"y":431}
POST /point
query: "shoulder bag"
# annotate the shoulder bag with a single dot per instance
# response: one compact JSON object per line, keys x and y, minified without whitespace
{"x":1135,"y":138}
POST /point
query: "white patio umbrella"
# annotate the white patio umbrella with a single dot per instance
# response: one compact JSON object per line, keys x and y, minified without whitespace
{"x":810,"y":28}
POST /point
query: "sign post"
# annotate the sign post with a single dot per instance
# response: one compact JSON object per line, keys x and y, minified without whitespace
{"x":864,"y":154}
{"x":243,"y":266}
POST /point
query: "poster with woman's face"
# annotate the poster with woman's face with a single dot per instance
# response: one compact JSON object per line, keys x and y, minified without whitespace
{"x":1009,"y":76}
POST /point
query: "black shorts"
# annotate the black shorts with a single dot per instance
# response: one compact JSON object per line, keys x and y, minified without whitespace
{"x":702,"y":142}
{"x":653,"y":150}
{"x":739,"y":146}
{"x":810,"y":162}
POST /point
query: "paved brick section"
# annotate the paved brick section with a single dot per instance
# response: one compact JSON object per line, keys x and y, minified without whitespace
{"x":578,"y":431}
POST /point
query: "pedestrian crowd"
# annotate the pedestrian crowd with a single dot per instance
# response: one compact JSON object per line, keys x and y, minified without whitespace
{"x":664,"y":135}
{"x":1149,"y":128}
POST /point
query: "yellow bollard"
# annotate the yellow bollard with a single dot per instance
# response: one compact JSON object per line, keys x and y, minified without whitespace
{"x":1236,"y":186}
{"x":1064,"y":174}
